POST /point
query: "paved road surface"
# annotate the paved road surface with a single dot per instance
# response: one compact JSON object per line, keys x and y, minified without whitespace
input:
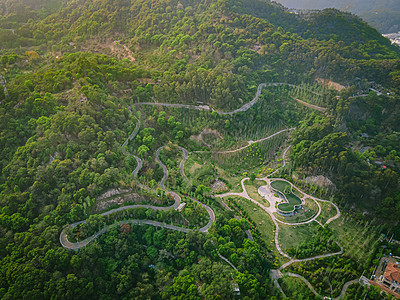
{"x":244,"y":108}
{"x":249,"y":143}
{"x":342,"y":293}
{"x":164,"y":167}
{"x":75,"y":246}
{"x":182,"y":164}
{"x":139,"y":165}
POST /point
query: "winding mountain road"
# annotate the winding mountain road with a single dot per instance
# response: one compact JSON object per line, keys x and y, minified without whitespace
{"x":139,"y":165}
{"x":182,"y":164}
{"x":243,"y":108}
{"x":164,"y":167}
{"x":76,"y":246}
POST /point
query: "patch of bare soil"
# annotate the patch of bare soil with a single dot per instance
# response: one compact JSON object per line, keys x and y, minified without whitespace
{"x":319,"y":180}
{"x":115,"y":48}
{"x":330,"y":84}
{"x":146,"y":80}
{"x":121,"y":50}
{"x":119,"y":197}
{"x":219,"y":186}
{"x":257,"y":47}
{"x":111,"y":193}
{"x":206,"y":131}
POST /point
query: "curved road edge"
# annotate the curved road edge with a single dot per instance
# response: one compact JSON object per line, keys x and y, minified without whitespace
{"x":243,"y":108}
{"x":342,"y":292}
{"x":182,"y":163}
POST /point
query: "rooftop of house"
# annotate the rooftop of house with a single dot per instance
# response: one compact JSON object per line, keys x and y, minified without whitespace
{"x":392,"y":272}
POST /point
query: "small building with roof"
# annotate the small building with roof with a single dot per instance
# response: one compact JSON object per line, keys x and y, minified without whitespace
{"x":391,"y":277}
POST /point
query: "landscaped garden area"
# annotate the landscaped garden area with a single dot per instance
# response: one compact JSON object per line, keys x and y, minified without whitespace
{"x":285,"y":189}
{"x":308,"y":211}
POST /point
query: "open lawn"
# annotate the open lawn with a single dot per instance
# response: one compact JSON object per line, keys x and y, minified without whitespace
{"x":252,"y":191}
{"x":293,"y":200}
{"x":291,"y":236}
{"x":192,"y":165}
{"x":260,"y":217}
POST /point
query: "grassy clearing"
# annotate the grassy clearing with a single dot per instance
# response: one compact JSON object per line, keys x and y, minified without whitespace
{"x":199,"y":171}
{"x":327,"y":211}
{"x":306,"y":213}
{"x":260,"y":217}
{"x":252,"y":191}
{"x":292,"y":236}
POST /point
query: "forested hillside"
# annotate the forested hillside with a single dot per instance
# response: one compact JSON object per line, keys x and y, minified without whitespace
{"x":384,"y":15}
{"x":102,"y":102}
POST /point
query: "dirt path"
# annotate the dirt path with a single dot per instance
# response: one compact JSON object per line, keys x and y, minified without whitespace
{"x":122,"y":49}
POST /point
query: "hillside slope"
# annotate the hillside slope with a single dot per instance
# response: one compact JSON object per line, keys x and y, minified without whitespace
{"x":382,"y":14}
{"x":75,"y":135}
